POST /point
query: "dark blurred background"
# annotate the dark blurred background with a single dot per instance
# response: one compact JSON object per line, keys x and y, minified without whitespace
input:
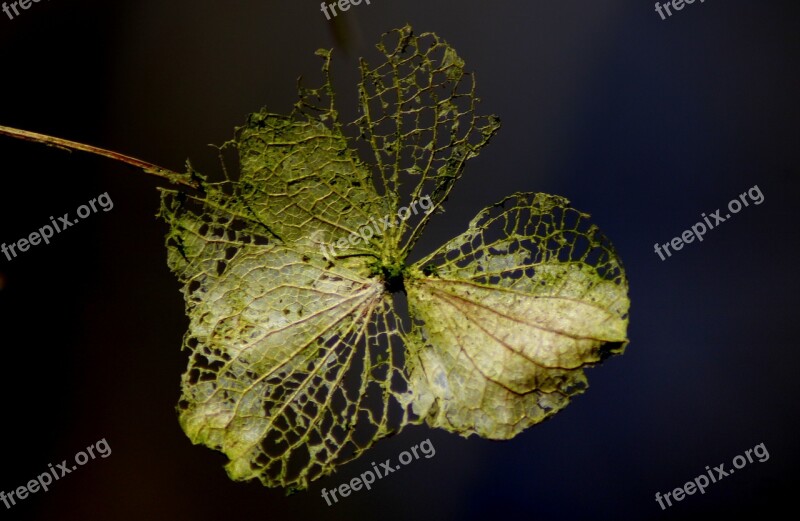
{"x":641,"y":122}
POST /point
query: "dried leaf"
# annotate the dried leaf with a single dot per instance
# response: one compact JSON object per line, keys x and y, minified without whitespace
{"x":299,"y":358}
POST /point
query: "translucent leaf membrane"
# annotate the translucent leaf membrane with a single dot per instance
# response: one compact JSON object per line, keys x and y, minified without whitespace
{"x":508,"y":314}
{"x":420,"y":120}
{"x":296,"y":365}
{"x":298,"y":361}
{"x":299,"y":176}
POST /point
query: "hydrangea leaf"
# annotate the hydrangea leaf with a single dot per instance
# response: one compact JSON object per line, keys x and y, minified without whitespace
{"x":299,"y":359}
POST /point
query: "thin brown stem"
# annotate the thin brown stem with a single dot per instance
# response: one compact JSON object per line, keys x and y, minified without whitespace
{"x":150,"y":168}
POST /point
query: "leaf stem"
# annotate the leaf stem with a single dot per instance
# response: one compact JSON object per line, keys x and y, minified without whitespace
{"x":150,"y":168}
